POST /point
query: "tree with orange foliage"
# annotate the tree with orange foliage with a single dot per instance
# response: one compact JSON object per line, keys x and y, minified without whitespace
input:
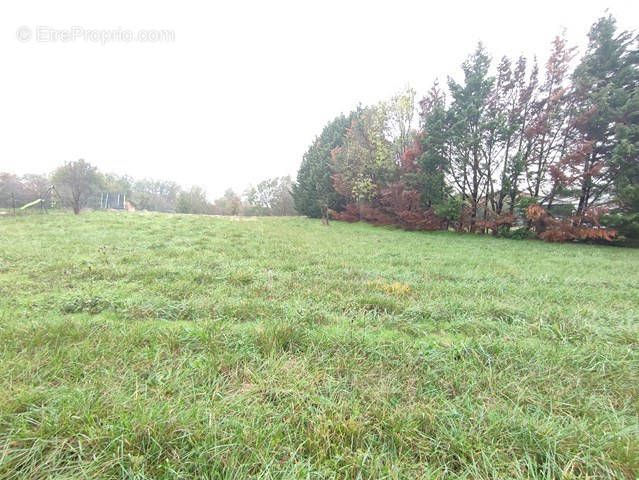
{"x":579,"y":227}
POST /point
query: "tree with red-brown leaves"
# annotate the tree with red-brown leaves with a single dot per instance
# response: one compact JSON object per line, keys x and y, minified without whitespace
{"x":549,"y":130}
{"x":583,"y":227}
{"x":520,"y":95}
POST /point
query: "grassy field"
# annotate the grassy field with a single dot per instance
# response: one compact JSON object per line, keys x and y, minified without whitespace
{"x":171,"y":346}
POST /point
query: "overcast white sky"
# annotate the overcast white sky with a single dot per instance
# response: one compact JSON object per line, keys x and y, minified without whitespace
{"x":244,"y":87}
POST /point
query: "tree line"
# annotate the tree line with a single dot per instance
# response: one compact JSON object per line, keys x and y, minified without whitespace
{"x":78,"y":185}
{"x":513,"y":148}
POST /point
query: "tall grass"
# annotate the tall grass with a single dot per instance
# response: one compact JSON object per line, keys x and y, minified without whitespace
{"x":166,"y":346}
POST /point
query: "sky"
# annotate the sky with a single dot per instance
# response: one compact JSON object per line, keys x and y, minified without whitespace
{"x":226,"y":94}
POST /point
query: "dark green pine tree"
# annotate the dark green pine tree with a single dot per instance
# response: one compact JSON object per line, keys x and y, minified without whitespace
{"x":625,"y":156}
{"x":433,"y":162}
{"x":469,"y":121}
{"x":313,"y":191}
{"x":625,"y":162}
{"x":606,"y":84}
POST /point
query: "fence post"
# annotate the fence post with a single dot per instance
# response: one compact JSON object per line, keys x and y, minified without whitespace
{"x":13,"y":202}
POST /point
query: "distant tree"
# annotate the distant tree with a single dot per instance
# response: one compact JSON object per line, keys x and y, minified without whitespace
{"x":271,"y":197}
{"x":313,"y":191}
{"x":35,"y":185}
{"x":155,"y":195}
{"x":192,"y":201}
{"x":76,"y":181}
{"x":228,"y":204}
{"x":11,"y":189}
{"x":23,"y":189}
{"x":117,"y":183}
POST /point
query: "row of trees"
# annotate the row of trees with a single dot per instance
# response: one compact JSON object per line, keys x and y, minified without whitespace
{"x":476,"y":155}
{"x":78,"y":183}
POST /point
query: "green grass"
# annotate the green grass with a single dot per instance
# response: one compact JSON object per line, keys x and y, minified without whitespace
{"x":168,"y":346}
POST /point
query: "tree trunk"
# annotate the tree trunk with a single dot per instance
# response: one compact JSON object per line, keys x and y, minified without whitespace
{"x":585,"y":186}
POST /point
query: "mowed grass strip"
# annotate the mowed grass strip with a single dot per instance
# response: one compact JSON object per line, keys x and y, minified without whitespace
{"x":154,"y":346}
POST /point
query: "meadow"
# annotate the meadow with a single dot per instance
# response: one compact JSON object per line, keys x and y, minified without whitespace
{"x":157,"y":346}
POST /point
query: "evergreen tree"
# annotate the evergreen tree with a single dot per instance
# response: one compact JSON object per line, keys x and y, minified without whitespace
{"x":625,"y":163}
{"x":605,"y":90}
{"x":313,"y":192}
{"x":434,"y":162}
{"x":469,"y":122}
